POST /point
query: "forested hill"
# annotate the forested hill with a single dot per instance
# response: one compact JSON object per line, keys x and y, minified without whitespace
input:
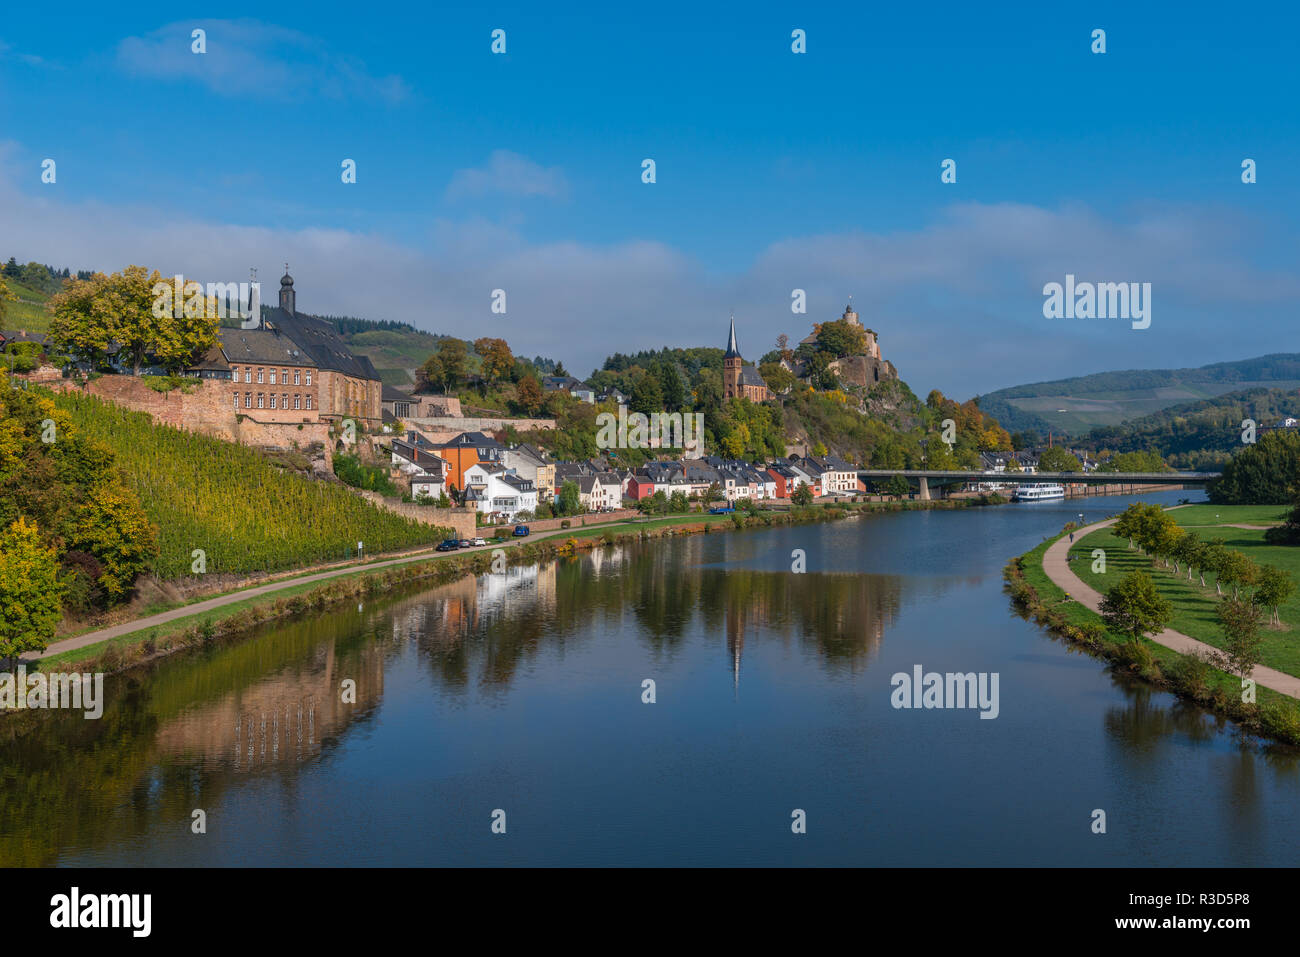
{"x":1074,"y":406}
{"x":1199,"y":434}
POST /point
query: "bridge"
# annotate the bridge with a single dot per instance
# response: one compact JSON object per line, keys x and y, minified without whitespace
{"x":923,"y":477}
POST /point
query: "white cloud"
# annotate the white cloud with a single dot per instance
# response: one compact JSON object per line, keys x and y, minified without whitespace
{"x":508,"y":174}
{"x":248,"y":57}
{"x":957,"y":303}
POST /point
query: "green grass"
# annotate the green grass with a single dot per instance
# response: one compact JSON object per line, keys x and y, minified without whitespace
{"x":1230,"y":514}
{"x":1194,"y":607}
{"x":1077,"y":615}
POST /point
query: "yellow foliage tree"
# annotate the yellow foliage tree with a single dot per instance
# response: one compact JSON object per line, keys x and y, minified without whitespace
{"x":31,"y":595}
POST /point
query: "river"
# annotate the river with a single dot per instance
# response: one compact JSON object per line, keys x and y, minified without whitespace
{"x":519,"y":698}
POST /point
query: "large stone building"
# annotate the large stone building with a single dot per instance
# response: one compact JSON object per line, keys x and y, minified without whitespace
{"x":740,"y":378}
{"x":293,"y":367}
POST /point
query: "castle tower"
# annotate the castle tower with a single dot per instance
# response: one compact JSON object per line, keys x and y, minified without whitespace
{"x":850,"y":315}
{"x":286,"y":291}
{"x":731,"y":363}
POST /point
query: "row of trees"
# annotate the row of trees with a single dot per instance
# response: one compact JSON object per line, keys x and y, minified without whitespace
{"x":1136,"y":607}
{"x":1154,"y":531}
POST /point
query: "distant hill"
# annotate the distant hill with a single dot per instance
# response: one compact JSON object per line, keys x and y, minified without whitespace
{"x":28,"y":312}
{"x":1200,"y":434}
{"x":396,"y":349}
{"x":1075,"y":406}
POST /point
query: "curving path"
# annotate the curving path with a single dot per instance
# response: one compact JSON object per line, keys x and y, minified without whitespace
{"x":1060,"y":572}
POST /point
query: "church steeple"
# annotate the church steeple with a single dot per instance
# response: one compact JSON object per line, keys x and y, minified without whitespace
{"x":732,"y":351}
{"x":286,"y":292}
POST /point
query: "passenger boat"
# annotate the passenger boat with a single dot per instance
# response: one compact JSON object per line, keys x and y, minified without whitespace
{"x":1038,"y":492}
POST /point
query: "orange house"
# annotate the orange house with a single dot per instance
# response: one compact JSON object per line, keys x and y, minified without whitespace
{"x":465,"y":451}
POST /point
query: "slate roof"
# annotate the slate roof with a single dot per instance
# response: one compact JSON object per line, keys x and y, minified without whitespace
{"x":749,"y":375}
{"x":322,"y":342}
{"x":242,"y":346}
{"x":391,"y":394}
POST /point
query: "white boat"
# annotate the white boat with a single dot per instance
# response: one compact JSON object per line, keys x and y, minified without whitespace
{"x":1038,"y":492}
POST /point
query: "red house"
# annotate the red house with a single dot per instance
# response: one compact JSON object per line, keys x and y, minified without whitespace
{"x":639,"y":487}
{"x":786,"y":480}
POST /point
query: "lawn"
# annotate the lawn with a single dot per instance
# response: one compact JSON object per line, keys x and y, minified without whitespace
{"x":1194,"y":607}
{"x":1077,"y":615}
{"x":1234,"y":514}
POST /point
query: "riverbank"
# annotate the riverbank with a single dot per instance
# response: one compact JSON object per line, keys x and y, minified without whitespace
{"x":1186,"y":673}
{"x":229,"y":616}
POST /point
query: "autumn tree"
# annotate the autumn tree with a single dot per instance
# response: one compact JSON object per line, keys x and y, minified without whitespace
{"x":530,"y":395}
{"x":31,"y":594}
{"x":453,"y":357}
{"x":91,"y":315}
{"x":498,"y":360}
{"x":112,"y":526}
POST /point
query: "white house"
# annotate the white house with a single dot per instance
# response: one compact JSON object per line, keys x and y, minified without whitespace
{"x":499,"y":493}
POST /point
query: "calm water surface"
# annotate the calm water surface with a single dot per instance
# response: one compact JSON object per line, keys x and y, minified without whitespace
{"x":522,"y":692}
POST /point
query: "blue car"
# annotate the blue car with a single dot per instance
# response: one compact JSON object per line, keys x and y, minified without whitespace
{"x":521,"y":531}
{"x":721,"y":510}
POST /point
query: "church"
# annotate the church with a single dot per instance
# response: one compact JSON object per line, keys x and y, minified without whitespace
{"x":293,"y":367}
{"x":739,"y":378}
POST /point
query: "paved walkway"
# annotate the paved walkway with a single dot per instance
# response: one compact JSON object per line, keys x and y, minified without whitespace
{"x":1060,"y":572}
{"x":198,"y":607}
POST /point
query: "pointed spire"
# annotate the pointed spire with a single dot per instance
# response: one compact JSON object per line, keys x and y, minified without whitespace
{"x":733,"y":352}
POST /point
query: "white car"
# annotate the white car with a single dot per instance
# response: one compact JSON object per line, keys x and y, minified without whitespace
{"x":480,"y":541}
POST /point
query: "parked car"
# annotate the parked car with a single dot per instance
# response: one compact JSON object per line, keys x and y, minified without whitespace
{"x":721,"y":510}
{"x":480,"y":541}
{"x":466,"y":543}
{"x":521,"y":531}
{"x":450,"y":545}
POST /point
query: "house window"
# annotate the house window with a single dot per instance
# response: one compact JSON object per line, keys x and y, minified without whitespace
{"x":234,"y":373}
{"x":309,"y":379}
{"x":248,"y":375}
{"x":248,"y":400}
{"x":297,"y":374}
{"x":272,"y":377}
{"x":309,"y":402}
{"x":236,"y":400}
{"x":297,"y":402}
{"x":261,"y":399}
{"x":260,"y":376}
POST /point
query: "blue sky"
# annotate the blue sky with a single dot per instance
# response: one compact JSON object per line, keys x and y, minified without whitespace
{"x":775,"y":171}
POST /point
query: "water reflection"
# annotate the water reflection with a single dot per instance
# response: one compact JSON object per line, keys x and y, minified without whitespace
{"x":193,"y":731}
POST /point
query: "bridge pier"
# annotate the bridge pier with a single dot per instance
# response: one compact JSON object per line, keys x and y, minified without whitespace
{"x":925,"y":488}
